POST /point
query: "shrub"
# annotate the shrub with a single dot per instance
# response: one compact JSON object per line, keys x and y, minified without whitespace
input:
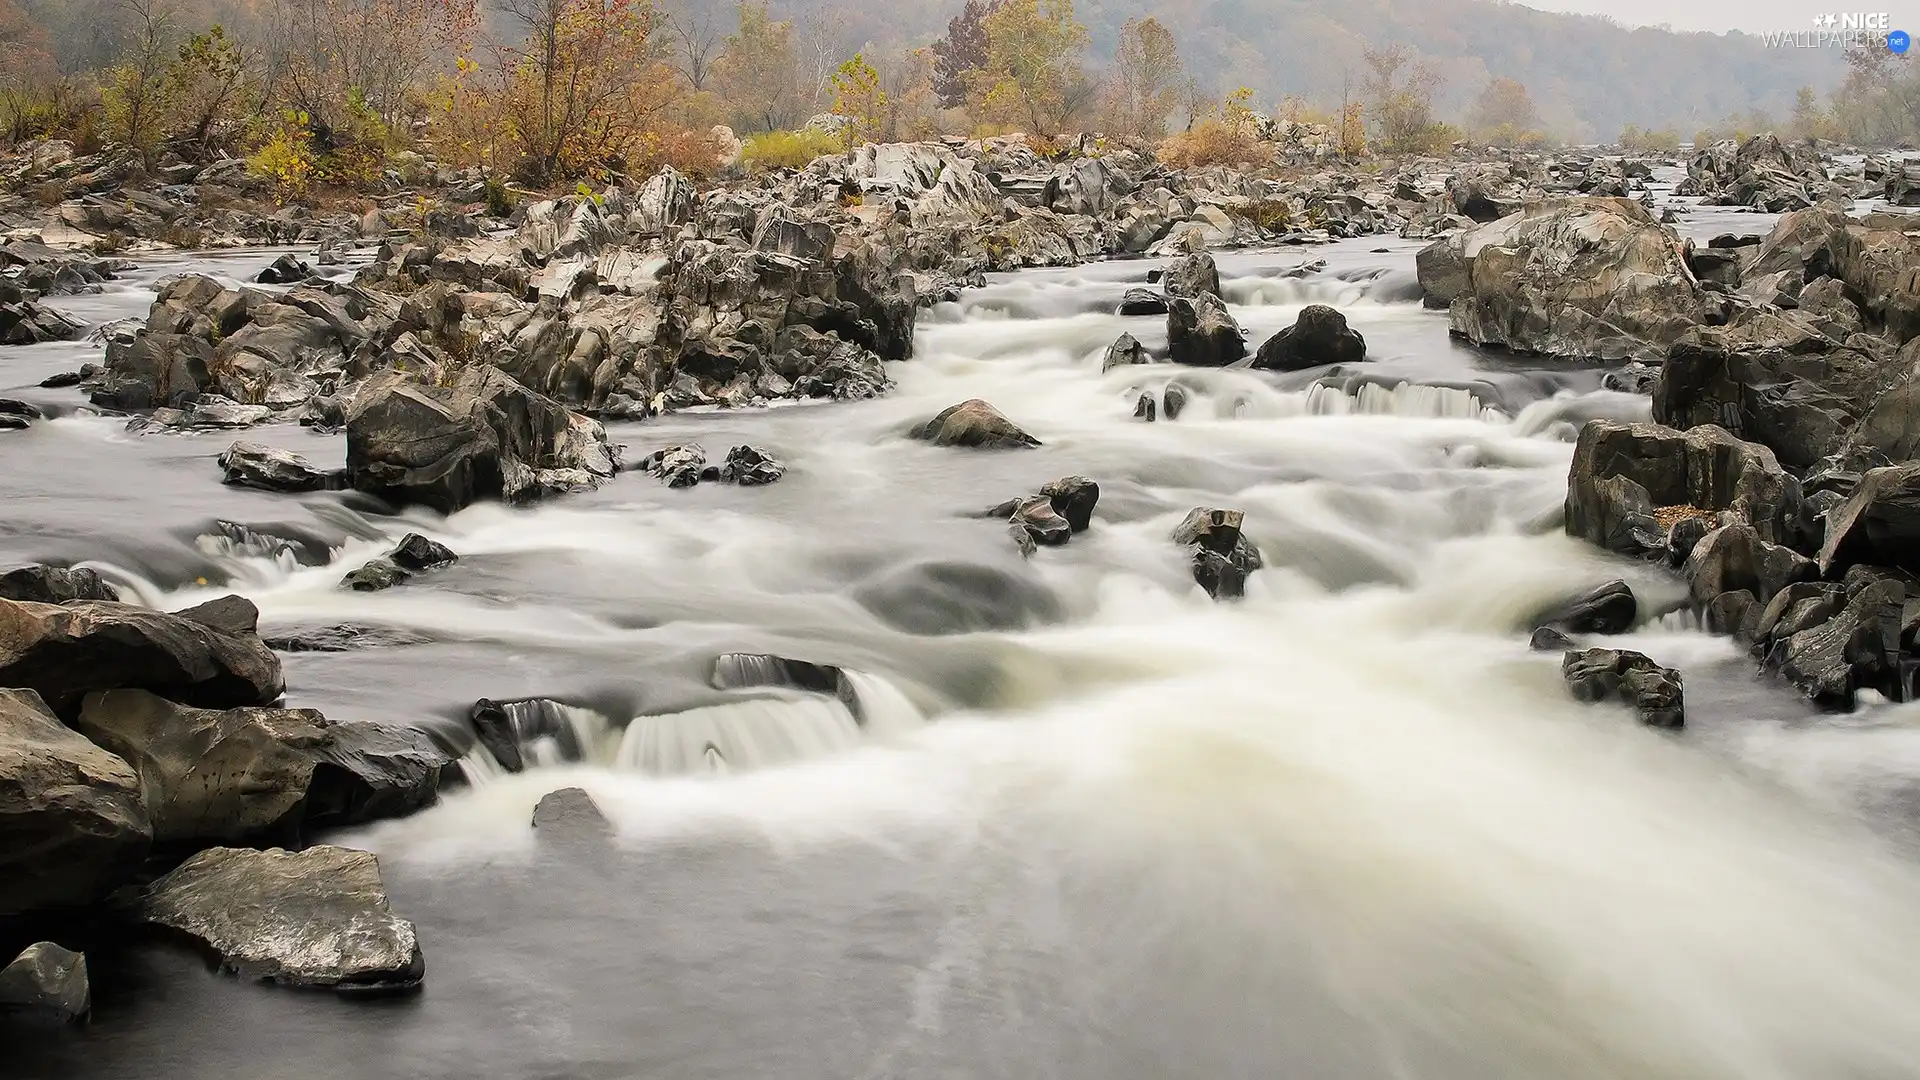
{"x":286,"y":159}
{"x":790,"y":149}
{"x":1214,"y":142}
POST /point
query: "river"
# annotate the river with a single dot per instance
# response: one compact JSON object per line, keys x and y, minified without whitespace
{"x":1088,"y":823}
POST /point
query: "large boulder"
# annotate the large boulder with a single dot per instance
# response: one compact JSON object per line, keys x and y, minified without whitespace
{"x":235,"y":774}
{"x":1879,"y":524}
{"x":1734,"y":559}
{"x":267,"y":468}
{"x":1631,"y":483}
{"x":1192,"y":276}
{"x":1221,"y":556}
{"x":1319,"y":336}
{"x":315,"y":918}
{"x":485,"y":437}
{"x":72,"y":823}
{"x":1201,"y":332}
{"x":1655,"y":693}
{"x":1857,"y":648}
{"x":1879,"y":260}
{"x":66,"y":652}
{"x":1579,"y":277}
{"x":974,"y":424}
{"x":42,"y":584}
{"x":1609,"y":609}
{"x":48,"y":981}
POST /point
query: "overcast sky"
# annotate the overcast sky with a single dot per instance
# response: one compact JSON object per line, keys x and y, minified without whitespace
{"x":1719,"y":15}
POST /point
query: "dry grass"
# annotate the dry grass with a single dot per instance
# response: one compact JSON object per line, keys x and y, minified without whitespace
{"x":1669,"y":516}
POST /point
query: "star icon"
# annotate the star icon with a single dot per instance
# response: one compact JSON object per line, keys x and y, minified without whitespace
{"x":1831,"y":20}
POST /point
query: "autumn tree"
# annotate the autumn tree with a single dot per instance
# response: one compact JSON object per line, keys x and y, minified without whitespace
{"x":1504,"y":115}
{"x":26,"y":51}
{"x":1399,"y":92}
{"x":695,"y":37}
{"x":134,"y":95}
{"x":1148,"y":80}
{"x":210,"y":90}
{"x":859,"y":98}
{"x":962,"y":53}
{"x":337,"y":59}
{"x":758,"y":75}
{"x":1032,"y":78}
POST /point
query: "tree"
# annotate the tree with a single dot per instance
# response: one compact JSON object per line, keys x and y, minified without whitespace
{"x":208,"y":89}
{"x":697,"y":40}
{"x":758,"y":75}
{"x":26,"y":50}
{"x":1879,"y":103}
{"x":1400,"y":92}
{"x":1032,"y":77}
{"x":962,"y":52}
{"x":1148,"y":80}
{"x":857,"y":96}
{"x":333,"y":58}
{"x":134,"y":97}
{"x":1504,"y":115}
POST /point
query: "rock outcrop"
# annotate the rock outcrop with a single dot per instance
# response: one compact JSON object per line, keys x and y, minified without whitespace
{"x":1222,"y":557}
{"x":1632,"y":484}
{"x":974,"y":424}
{"x":1318,"y":337}
{"x":66,"y":652}
{"x":1656,"y":694}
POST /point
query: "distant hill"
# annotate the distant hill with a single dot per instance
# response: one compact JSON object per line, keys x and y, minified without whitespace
{"x":1589,"y":75}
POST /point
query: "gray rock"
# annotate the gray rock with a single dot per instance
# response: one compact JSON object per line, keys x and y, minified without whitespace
{"x":46,"y":980}
{"x":1627,"y":479}
{"x":974,"y":424}
{"x":569,"y":818}
{"x":1143,"y":302}
{"x":1192,"y":276}
{"x":1609,"y":609}
{"x":1878,"y":524}
{"x":1125,"y":351}
{"x":1319,"y":336}
{"x":270,"y":469}
{"x":676,"y":466}
{"x":42,"y":584}
{"x":1035,"y":522}
{"x":1734,"y":558}
{"x":1201,"y":332}
{"x":1222,"y":557}
{"x":1856,"y":649}
{"x":315,"y":918}
{"x":497,"y":734}
{"x":1547,"y":639}
{"x":72,"y":823}
{"x":1657,"y":694}
{"x":376,"y":575}
{"x":417,"y":554}
{"x":750,"y":467}
{"x":69,"y":651}
{"x":1073,"y":498}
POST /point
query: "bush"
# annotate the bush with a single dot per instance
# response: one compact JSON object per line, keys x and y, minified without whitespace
{"x":790,"y":149}
{"x":286,"y":159}
{"x":58,"y":110}
{"x":1214,"y":142}
{"x":1665,"y":141}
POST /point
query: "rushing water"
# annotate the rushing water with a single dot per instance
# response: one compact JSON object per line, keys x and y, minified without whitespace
{"x":1065,"y":817}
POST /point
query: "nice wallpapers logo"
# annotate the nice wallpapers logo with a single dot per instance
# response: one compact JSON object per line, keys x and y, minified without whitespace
{"x":1843,"y":30}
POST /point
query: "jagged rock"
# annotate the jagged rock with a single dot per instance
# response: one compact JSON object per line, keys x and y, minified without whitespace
{"x":72,"y":823}
{"x":1733,"y":558}
{"x":1124,"y":352}
{"x":569,"y":817}
{"x":23,"y":322}
{"x":315,"y":918}
{"x":484,"y":437}
{"x":676,"y":466}
{"x":375,"y":575}
{"x":46,"y":980}
{"x":1655,"y":693}
{"x":1192,"y":276}
{"x":1074,"y":498}
{"x":1173,"y":401}
{"x":285,"y":270}
{"x":1579,"y":277}
{"x":1223,"y":558}
{"x":1902,"y":184}
{"x":1879,"y":524}
{"x":418,"y":554}
{"x":497,"y":734}
{"x":1857,"y":648}
{"x":1201,"y":332}
{"x":1626,"y":478}
{"x":16,"y":415}
{"x":751,"y":467}
{"x":1146,"y":407}
{"x":1548,"y":639}
{"x":1319,"y":336}
{"x":1143,"y":302}
{"x":974,"y":424}
{"x":41,"y":584}
{"x":1760,"y":171}
{"x":1034,"y":521}
{"x":1609,"y":609}
{"x":69,"y":651}
{"x":1802,"y":605}
{"x":269,"y":469}
{"x":1875,"y":258}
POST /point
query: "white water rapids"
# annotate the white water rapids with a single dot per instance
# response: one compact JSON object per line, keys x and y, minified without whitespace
{"x":1083,"y":822}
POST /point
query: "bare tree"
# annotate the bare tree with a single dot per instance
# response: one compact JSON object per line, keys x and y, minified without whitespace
{"x":697,"y":38}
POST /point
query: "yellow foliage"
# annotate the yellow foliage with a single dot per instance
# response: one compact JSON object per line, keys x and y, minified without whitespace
{"x":790,"y":149}
{"x":285,"y":159}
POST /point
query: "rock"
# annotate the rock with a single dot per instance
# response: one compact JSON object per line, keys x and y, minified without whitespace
{"x":42,"y":584}
{"x":418,"y":554}
{"x":1192,"y":276}
{"x":229,"y":615}
{"x":1547,"y":639}
{"x":23,"y":322}
{"x":676,"y":466}
{"x":1580,"y":277}
{"x":341,"y":637}
{"x":1222,"y":556}
{"x":1634,"y":378}
{"x":1073,"y":498}
{"x":1856,"y":649}
{"x":286,"y":270}
{"x":72,"y":823}
{"x":750,"y":466}
{"x":268,"y":469}
{"x":974,"y":424}
{"x":1146,"y":407}
{"x":1876,"y":261}
{"x":368,"y":771}
{"x":1035,"y":522}
{"x":316,"y":918}
{"x":375,"y":575}
{"x":1655,"y":693}
{"x":1902,"y":184}
{"x":1802,"y":605}
{"x":1609,"y":609}
{"x":1143,"y":302}
{"x":1319,"y":336}
{"x":1201,"y":332}
{"x":1735,"y":614}
{"x":1125,"y":351}
{"x":17,"y":415}
{"x":1630,"y":482}
{"x":1173,"y":400}
{"x":569,"y":817}
{"x":1734,"y":558}
{"x":1879,"y":524}
{"x":484,"y":437}
{"x":69,"y":651}
{"x":497,"y":734}
{"x":46,"y":980}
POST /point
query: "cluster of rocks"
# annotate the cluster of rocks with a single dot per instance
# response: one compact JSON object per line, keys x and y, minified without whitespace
{"x":1052,"y":516}
{"x":131,"y":739}
{"x":685,"y":465}
{"x":1762,"y":172}
{"x":413,"y":555}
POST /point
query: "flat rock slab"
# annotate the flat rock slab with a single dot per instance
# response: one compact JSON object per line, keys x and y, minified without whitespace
{"x":315,"y":918}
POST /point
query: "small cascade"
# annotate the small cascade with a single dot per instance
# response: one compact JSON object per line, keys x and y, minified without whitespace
{"x":748,"y":734}
{"x":1409,"y":399}
{"x":478,"y":767}
{"x":879,"y":705}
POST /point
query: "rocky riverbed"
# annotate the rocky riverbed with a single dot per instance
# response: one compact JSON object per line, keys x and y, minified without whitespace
{"x":858,"y":621}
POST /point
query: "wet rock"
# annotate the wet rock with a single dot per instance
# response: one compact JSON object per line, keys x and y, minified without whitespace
{"x":939,"y":597}
{"x":1192,"y":276}
{"x":315,"y":918}
{"x":1143,"y":302}
{"x":419,"y":555}
{"x":1035,"y":522}
{"x":1735,"y":558}
{"x":69,"y":651}
{"x":1878,"y":524}
{"x":1609,"y":609}
{"x":47,"y":981}
{"x":1856,"y":649}
{"x":23,"y":322}
{"x":1548,"y":639}
{"x":484,"y":437}
{"x":1173,"y":401}
{"x":1319,"y":336}
{"x":1802,"y":605}
{"x":676,"y":466}
{"x":974,"y":424}
{"x":368,"y":771}
{"x":750,"y":466}
{"x":570,"y":818}
{"x":1201,"y":332}
{"x":1735,"y":613}
{"x":1634,"y":378}
{"x":72,"y":823}
{"x":16,"y":415}
{"x":1222,"y":557}
{"x":1626,"y":478}
{"x":1655,"y":693}
{"x":736,"y":671}
{"x":1124,"y":352}
{"x":376,"y":575}
{"x":497,"y":734}
{"x":1073,"y":498}
{"x":40,"y":584}
{"x":269,"y":469}
{"x":285,"y":270}
{"x":341,"y":637}
{"x":229,"y":615}
{"x":1146,"y":407}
